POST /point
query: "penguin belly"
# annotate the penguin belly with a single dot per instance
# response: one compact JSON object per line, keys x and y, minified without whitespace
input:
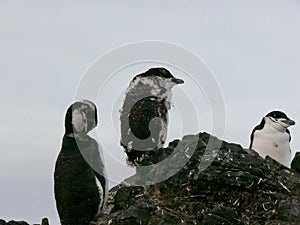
{"x":274,"y":144}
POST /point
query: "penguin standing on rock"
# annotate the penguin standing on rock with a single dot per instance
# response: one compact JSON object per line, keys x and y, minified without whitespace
{"x":272,"y":137}
{"x":79,"y":181}
{"x":144,"y":115}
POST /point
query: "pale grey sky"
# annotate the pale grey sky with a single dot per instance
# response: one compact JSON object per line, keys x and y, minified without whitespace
{"x":252,"y":47}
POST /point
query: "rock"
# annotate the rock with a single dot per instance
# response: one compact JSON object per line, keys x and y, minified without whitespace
{"x":2,"y":222}
{"x":295,"y":165}
{"x":12,"y":222}
{"x":208,"y":181}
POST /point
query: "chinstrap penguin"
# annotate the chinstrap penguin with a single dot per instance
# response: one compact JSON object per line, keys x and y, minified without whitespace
{"x":272,"y":137}
{"x":144,"y":114}
{"x":79,"y":178}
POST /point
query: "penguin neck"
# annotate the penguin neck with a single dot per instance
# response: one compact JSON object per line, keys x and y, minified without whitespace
{"x":68,"y":123}
{"x":77,"y":136}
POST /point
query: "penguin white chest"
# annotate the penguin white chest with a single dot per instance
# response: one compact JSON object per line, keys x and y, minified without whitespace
{"x":273,"y":143}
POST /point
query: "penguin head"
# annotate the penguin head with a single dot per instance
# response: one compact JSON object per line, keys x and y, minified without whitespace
{"x":154,"y":82}
{"x":279,"y":120}
{"x":81,"y":117}
{"x":162,"y":75}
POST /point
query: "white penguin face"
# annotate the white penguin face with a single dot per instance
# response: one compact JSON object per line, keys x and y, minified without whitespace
{"x":83,"y":118}
{"x":168,"y":83}
{"x":91,"y":113}
{"x":280,"y":124}
{"x":79,"y":121}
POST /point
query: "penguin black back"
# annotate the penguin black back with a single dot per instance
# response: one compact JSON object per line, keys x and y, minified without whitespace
{"x":78,"y":197}
{"x":147,"y":121}
{"x":258,"y":127}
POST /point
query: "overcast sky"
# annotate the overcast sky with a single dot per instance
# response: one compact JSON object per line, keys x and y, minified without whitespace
{"x":252,"y":48}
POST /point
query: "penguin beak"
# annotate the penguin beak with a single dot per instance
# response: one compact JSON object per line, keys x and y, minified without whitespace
{"x":177,"y":81}
{"x":291,"y":122}
{"x":288,"y":122}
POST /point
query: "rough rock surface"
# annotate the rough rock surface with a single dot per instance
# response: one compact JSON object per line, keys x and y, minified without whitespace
{"x":12,"y":222}
{"x":237,"y":187}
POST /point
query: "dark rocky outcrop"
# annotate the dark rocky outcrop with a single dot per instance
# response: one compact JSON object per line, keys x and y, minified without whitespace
{"x":296,"y":163}
{"x":12,"y":222}
{"x":216,"y":183}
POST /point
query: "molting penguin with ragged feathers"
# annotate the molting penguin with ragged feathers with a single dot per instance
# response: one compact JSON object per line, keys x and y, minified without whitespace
{"x":80,"y":185}
{"x":272,"y":137}
{"x":144,"y":115}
